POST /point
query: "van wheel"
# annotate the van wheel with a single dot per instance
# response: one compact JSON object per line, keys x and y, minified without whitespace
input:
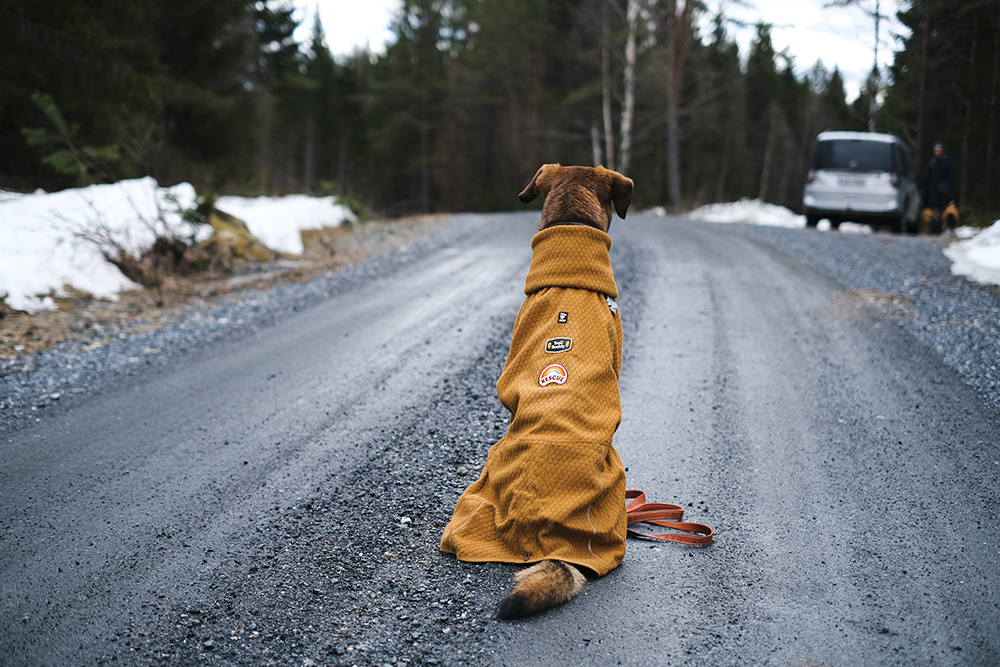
{"x":835,"y":224}
{"x":812,"y":220}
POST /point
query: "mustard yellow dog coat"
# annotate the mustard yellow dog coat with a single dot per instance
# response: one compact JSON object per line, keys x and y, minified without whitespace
{"x":554,"y":486}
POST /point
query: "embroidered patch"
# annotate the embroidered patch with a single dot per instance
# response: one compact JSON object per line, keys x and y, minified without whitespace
{"x":554,"y":345}
{"x":553,"y":374}
{"x":563,"y":318}
{"x":612,"y":305}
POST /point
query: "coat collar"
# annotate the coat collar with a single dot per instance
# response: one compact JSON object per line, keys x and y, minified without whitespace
{"x":571,"y":256}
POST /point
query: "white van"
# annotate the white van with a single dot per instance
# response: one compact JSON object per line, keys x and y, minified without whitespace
{"x":862,"y":177}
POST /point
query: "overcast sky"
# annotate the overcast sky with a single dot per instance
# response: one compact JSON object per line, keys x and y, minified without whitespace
{"x":811,"y":31}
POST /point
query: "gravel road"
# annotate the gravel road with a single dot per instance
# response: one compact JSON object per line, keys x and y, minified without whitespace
{"x":906,"y":277}
{"x":910,"y":279}
{"x":203,"y":495}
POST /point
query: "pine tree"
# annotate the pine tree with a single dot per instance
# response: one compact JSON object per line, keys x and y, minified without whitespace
{"x":63,"y":150}
{"x":405,"y":106}
{"x":946,"y":84}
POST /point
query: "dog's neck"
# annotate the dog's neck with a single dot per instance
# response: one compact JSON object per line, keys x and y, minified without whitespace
{"x":574,"y":223}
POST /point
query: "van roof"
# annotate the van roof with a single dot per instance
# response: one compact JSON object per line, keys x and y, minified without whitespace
{"x":858,"y":136}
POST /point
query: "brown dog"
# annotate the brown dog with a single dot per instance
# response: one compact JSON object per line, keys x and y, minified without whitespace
{"x":552,"y":491}
{"x":581,"y":195}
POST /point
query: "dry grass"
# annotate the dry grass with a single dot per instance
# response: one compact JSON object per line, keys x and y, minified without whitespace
{"x":867,"y":304}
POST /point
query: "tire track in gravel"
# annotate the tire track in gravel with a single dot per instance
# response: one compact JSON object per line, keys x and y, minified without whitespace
{"x":352,"y":574}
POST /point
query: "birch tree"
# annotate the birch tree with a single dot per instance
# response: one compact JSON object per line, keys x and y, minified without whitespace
{"x":628,"y":85}
{"x":609,"y":136}
{"x":873,"y":12}
{"x":679,"y":15}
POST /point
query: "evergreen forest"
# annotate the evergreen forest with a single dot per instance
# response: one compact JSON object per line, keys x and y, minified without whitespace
{"x":471,"y":98}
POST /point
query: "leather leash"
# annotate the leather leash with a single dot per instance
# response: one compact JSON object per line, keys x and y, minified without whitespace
{"x":667,"y":515}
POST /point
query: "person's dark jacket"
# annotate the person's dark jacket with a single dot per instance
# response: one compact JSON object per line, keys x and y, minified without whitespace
{"x":937,"y":181}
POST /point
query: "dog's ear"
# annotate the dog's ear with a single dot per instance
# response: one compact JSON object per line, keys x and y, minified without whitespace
{"x":621,"y":193}
{"x":538,"y":184}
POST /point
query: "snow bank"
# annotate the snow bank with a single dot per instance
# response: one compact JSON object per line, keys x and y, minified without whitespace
{"x":756,"y":212}
{"x":41,"y":251}
{"x":978,"y":257}
{"x":750,"y":211}
{"x":277,"y":220}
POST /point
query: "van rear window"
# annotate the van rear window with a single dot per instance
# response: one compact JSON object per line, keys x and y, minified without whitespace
{"x":853,"y":154}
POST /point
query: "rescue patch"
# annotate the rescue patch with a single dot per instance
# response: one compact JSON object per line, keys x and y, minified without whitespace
{"x":554,"y":345}
{"x":563,"y":318}
{"x":553,"y":374}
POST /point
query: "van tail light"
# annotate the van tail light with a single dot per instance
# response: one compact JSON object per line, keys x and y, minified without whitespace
{"x":811,"y":176}
{"x":895,"y":178}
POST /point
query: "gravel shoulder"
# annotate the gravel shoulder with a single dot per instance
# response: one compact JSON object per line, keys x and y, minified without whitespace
{"x":89,"y":343}
{"x":908,"y":279}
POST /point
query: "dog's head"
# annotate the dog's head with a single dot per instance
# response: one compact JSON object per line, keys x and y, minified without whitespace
{"x":579,"y":194}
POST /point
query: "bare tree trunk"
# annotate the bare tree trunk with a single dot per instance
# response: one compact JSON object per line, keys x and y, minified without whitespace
{"x":340,"y":175}
{"x":720,"y":183}
{"x":534,"y":147}
{"x":609,"y":134}
{"x":265,"y":158}
{"x":873,"y":92}
{"x":875,"y":76}
{"x":786,"y":172}
{"x":309,"y":168}
{"x":765,"y":171}
{"x":426,"y":52}
{"x":595,"y":143}
{"x":678,"y":32}
{"x":872,"y":99}
{"x":290,"y":185}
{"x":804,"y":156}
{"x":987,"y":181}
{"x":628,"y":108}
{"x":673,"y":144}
{"x":922,"y":88}
{"x":968,"y":117}
{"x":425,"y":159}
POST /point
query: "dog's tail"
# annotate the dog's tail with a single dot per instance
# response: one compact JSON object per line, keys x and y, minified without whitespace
{"x":543,"y":585}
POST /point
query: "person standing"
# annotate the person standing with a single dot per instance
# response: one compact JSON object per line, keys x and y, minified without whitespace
{"x":936,"y":184}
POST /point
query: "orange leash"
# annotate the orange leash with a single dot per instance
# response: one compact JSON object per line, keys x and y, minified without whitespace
{"x":666,"y":515}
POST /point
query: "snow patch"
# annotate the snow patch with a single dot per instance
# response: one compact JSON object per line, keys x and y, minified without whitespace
{"x":41,"y":251}
{"x":978,"y":257}
{"x":750,"y":211}
{"x":277,"y":221}
{"x":756,"y":212}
